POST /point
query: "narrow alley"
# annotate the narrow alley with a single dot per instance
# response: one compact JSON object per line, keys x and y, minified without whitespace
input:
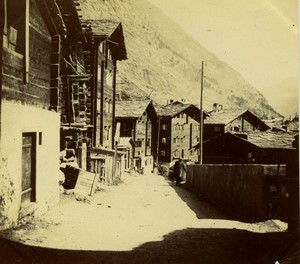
{"x":145,"y":219}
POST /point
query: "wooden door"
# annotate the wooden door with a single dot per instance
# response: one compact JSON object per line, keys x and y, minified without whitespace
{"x":28,"y":169}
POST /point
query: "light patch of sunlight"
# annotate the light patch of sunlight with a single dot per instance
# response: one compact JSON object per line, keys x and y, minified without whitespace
{"x":269,"y":226}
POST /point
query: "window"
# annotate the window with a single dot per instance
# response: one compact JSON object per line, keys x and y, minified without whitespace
{"x":98,"y":105}
{"x":101,"y":47}
{"x":163,"y":153}
{"x":16,"y":25}
{"x":16,"y":33}
{"x":108,"y":106}
{"x":164,"y":127}
{"x":138,"y":143}
{"x":176,"y":153}
{"x":217,"y":128}
{"x":109,"y":78}
{"x":109,"y":54}
{"x":163,"y":140}
{"x":236,"y":128}
{"x":107,"y":130}
{"x":182,"y":127}
{"x":195,"y":140}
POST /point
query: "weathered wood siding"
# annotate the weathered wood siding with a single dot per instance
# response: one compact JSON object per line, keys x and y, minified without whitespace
{"x":108,"y":100}
{"x":37,"y":90}
{"x":185,"y":134}
{"x":165,"y":139}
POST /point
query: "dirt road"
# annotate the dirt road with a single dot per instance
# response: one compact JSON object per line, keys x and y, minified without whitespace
{"x":146,"y":219}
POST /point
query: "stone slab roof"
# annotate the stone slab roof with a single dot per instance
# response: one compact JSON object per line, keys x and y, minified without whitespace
{"x":110,"y":30}
{"x":226,"y":116}
{"x":260,"y":139}
{"x":172,"y":109}
{"x":101,"y":27}
{"x":131,"y":109}
{"x":269,"y":139}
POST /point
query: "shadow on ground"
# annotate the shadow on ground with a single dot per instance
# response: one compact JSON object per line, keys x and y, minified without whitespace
{"x":190,"y":245}
{"x":183,"y":246}
{"x":200,"y":207}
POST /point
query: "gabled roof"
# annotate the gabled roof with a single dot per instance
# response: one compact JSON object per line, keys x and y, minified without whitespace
{"x":226,"y":116}
{"x":258,"y":139}
{"x":172,"y":110}
{"x":131,"y":109}
{"x":269,"y":139}
{"x":101,"y":27}
{"x":110,"y":30}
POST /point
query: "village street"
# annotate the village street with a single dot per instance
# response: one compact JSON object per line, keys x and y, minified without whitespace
{"x":146,"y":219}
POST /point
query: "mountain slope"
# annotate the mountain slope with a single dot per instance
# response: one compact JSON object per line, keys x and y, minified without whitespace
{"x":164,"y":62}
{"x":287,"y":103}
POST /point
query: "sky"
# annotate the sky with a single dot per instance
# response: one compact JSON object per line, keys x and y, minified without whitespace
{"x":258,"y":38}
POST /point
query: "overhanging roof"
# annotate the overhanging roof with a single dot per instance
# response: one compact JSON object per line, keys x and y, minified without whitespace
{"x":226,"y":116}
{"x":110,"y":30}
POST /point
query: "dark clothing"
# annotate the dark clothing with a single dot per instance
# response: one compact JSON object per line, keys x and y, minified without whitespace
{"x":177,"y":172}
{"x":182,"y":170}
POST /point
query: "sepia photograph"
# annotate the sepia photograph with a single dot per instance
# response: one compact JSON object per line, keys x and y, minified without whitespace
{"x":149,"y":131}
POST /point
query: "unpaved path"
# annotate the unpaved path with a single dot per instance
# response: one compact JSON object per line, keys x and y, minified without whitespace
{"x":145,"y":219}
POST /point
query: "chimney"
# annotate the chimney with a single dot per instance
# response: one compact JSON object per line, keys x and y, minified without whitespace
{"x":215,"y":107}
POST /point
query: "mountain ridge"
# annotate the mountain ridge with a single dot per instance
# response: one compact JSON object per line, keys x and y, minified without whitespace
{"x":287,"y":103}
{"x":163,"y":61}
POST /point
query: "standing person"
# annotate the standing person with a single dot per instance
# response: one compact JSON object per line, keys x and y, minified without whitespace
{"x":182,"y":170}
{"x":177,"y":172}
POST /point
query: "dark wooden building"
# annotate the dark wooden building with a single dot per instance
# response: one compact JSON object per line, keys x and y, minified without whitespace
{"x":105,"y":47}
{"x":254,"y":147}
{"x":221,"y":121}
{"x":87,"y":66}
{"x":179,"y":130}
{"x":138,"y":120}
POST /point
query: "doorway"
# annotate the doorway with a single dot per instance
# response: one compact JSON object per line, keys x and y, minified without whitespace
{"x":28,"y":194}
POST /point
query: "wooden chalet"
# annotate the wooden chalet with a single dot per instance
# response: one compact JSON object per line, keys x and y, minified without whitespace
{"x":221,"y":121}
{"x":179,"y":130}
{"x":257,"y":147}
{"x":87,"y":67}
{"x":31,"y":31}
{"x":105,"y":47}
{"x":138,"y":121}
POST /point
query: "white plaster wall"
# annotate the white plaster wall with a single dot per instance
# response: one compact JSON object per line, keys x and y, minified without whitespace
{"x":17,"y":119}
